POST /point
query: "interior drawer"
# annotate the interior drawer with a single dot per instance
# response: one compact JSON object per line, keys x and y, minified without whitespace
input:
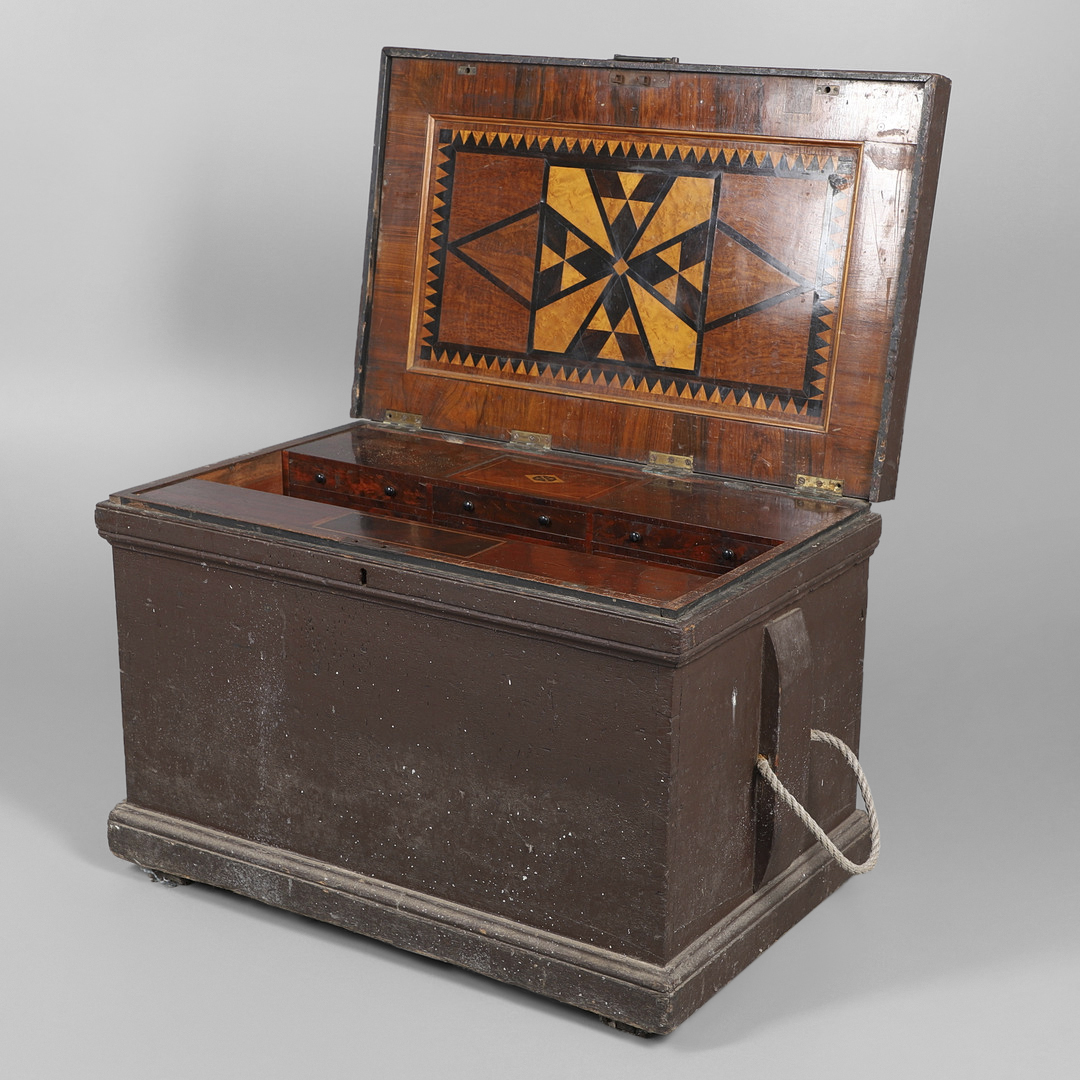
{"x":377,"y":487}
{"x":683,"y":544}
{"x":532,"y":517}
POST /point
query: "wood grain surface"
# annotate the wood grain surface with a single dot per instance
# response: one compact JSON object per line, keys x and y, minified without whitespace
{"x":723,"y":264}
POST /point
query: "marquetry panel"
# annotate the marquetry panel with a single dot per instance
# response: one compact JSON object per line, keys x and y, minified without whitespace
{"x":651,"y":267}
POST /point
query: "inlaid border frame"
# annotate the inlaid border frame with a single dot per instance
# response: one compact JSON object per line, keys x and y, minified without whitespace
{"x":749,"y":402}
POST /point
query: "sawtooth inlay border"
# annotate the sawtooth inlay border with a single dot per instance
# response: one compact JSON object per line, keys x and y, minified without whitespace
{"x":655,"y":267}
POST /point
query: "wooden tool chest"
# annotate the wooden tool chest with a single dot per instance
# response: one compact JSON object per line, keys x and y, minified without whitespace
{"x":487,"y":672}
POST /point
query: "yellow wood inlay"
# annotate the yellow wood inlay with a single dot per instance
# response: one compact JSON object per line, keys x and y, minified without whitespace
{"x":668,"y":288}
{"x":673,"y":343}
{"x":629,"y":181}
{"x":601,"y":320}
{"x":574,"y":245}
{"x":558,"y":322}
{"x":611,"y":350}
{"x":672,"y":255}
{"x":613,"y":208}
{"x":569,"y":194}
{"x":696,"y":275}
{"x":687,"y":204}
{"x":570,"y":277}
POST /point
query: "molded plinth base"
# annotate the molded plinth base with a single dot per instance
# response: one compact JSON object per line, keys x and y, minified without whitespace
{"x":651,"y":997}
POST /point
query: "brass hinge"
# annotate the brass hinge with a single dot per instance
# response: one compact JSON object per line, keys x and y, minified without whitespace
{"x":407,"y":421}
{"x":669,"y":464}
{"x":530,"y":440}
{"x":819,"y":485}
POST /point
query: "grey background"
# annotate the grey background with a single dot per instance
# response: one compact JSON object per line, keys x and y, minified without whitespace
{"x":182,"y":198}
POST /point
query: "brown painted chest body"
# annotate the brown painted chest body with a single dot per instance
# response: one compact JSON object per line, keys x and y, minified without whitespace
{"x":487,"y":672}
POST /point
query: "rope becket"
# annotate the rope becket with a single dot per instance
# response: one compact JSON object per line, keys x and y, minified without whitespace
{"x":782,"y":792}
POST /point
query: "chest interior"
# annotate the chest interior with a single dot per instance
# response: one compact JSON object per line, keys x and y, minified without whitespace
{"x":619,"y":319}
{"x":599,"y":528}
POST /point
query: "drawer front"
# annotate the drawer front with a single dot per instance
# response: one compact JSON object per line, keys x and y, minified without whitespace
{"x":372,"y":486}
{"x":479,"y":508}
{"x":681,"y":544}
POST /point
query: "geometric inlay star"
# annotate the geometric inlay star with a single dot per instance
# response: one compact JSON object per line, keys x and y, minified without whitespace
{"x":622,"y":264}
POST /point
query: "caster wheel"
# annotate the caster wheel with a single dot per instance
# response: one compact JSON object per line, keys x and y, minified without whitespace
{"x":159,"y":877}
{"x":618,"y":1025}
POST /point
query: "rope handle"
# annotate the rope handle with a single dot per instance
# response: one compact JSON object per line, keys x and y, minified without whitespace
{"x":766,"y":771}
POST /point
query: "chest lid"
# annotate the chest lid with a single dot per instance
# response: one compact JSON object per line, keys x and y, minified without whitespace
{"x":648,"y":261}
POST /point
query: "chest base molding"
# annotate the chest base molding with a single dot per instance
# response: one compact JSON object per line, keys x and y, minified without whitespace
{"x":652,"y":998}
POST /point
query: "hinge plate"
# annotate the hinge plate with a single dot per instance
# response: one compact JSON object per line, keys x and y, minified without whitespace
{"x":819,"y":485}
{"x":407,"y":421}
{"x":530,"y":440}
{"x":669,"y":464}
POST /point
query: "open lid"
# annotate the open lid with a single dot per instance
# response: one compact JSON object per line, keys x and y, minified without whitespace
{"x":640,"y":259}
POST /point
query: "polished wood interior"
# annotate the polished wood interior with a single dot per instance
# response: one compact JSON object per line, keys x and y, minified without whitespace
{"x":599,"y":527}
{"x":635,"y":267}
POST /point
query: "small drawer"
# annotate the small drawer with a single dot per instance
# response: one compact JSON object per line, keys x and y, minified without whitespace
{"x":374,"y":486}
{"x":672,"y":542}
{"x":510,"y":512}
